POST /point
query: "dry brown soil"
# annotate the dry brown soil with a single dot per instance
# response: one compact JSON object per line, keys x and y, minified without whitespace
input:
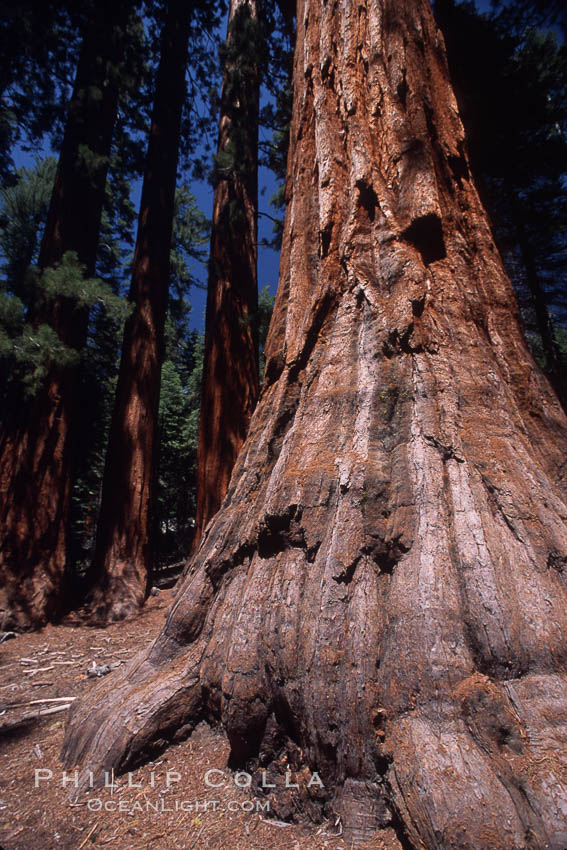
{"x":133,"y":815}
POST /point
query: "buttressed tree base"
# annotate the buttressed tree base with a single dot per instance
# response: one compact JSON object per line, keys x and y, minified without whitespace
{"x":382,"y":596}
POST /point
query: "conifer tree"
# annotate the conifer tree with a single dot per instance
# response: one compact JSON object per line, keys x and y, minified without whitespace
{"x":123,"y":554}
{"x":230,"y":370}
{"x":36,"y":444}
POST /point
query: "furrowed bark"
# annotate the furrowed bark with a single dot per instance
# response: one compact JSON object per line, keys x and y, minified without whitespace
{"x":230,"y":367}
{"x":123,"y":555}
{"x":36,"y":446}
{"x":381,"y":598}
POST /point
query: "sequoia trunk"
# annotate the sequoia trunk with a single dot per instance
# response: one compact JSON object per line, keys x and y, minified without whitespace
{"x":36,"y":445}
{"x":230,"y":367}
{"x":123,"y":553}
{"x":382,"y":597}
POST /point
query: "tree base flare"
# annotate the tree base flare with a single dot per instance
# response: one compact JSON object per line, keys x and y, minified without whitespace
{"x":116,"y":595}
{"x":381,"y":598}
{"x":367,"y":650}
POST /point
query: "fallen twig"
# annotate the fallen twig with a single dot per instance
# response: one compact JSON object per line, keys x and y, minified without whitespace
{"x":87,"y":837}
{"x":7,"y":636}
{"x":40,"y":701}
{"x":54,"y":710}
{"x":35,"y":670}
{"x":271,"y":822}
{"x":31,"y":717}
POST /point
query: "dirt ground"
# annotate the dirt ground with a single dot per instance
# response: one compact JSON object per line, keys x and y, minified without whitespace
{"x":163,"y":805}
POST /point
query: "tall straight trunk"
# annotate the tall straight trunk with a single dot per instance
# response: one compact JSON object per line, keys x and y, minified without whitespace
{"x":36,"y":444}
{"x":123,"y":552}
{"x":230,"y":367}
{"x":381,"y":598}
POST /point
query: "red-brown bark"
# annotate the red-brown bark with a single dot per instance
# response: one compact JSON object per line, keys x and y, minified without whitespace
{"x":230,"y":367}
{"x":36,"y":446}
{"x":382,"y":596}
{"x":123,"y":553}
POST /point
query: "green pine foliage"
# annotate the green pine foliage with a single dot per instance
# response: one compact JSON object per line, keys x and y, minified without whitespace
{"x":190,"y":241}
{"x":28,"y":346}
{"x":180,"y":397}
{"x":180,"y":404}
{"x":28,"y":349}
{"x":39,"y":45}
{"x":23,"y":210}
{"x":26,"y":353}
{"x":68,"y":280}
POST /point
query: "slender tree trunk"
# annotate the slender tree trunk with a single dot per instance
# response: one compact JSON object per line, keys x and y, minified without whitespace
{"x":123,"y":552}
{"x":382,"y":597}
{"x":36,"y":444}
{"x":230,"y":368}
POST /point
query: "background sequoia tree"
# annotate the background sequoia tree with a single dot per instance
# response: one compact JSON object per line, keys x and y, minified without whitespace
{"x":123,"y":554}
{"x":230,"y":367}
{"x":382,"y":596}
{"x":36,"y":443}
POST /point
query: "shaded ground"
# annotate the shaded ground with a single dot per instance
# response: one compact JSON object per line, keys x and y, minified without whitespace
{"x":150,"y":810}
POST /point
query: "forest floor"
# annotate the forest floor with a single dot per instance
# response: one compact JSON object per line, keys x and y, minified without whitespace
{"x":38,"y":671}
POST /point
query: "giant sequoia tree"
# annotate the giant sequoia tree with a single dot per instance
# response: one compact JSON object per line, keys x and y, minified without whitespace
{"x":123,"y":549}
{"x":230,"y":368}
{"x":36,"y":445}
{"x":382,"y":596}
